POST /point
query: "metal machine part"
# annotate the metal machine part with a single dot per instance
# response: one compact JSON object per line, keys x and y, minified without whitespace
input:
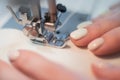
{"x":52,"y":10}
{"x":42,"y":29}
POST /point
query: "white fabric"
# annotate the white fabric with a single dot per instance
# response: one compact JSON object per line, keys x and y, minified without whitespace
{"x":74,"y":58}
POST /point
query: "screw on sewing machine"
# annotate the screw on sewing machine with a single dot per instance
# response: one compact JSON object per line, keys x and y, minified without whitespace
{"x":42,"y":30}
{"x":61,"y":9}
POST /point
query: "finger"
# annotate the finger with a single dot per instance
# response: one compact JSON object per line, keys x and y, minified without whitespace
{"x":82,"y":37}
{"x":9,"y":73}
{"x":106,"y":71}
{"x":115,"y":6}
{"x":106,"y":14}
{"x":106,"y":44}
{"x":38,"y":67}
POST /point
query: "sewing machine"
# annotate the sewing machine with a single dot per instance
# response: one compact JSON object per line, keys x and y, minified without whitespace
{"x":75,"y":59}
{"x":43,"y":27}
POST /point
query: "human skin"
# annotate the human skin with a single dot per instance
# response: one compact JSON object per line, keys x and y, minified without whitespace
{"x":27,"y":65}
{"x":101,"y":37}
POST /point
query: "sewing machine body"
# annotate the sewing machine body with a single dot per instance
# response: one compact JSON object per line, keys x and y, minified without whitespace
{"x":76,"y":59}
{"x":45,"y":26}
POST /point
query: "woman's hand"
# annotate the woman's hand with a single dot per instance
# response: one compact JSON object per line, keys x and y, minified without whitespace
{"x":101,"y":36}
{"x":27,"y":65}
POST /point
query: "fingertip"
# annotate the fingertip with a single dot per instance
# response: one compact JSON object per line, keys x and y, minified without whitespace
{"x":110,"y":43}
{"x":84,"y":24}
{"x":95,"y":44}
{"x":39,"y":67}
{"x":86,"y":35}
{"x":19,"y":57}
{"x":105,"y":71}
{"x":98,"y":69}
{"x":13,"y":55}
{"x":79,"y":33}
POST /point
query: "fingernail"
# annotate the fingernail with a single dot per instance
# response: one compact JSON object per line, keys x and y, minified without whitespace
{"x":101,"y":65}
{"x":96,"y":44}
{"x":13,"y":55}
{"x":79,"y":33}
{"x":84,"y":24}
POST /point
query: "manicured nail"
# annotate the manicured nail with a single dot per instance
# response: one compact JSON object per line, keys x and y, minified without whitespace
{"x":79,"y":33}
{"x":13,"y":55}
{"x":96,"y":44}
{"x":84,"y":24}
{"x":101,"y":65}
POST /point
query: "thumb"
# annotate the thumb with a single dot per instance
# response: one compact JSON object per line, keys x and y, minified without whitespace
{"x":106,"y":71}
